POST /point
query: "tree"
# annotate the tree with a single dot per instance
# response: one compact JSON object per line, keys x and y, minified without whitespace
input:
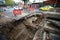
{"x":9,"y":2}
{"x":25,"y":1}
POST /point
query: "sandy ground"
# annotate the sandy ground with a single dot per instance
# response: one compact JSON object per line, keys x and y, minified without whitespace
{"x":4,"y":19}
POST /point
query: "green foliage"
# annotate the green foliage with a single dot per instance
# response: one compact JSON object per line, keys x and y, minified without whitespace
{"x":9,"y":2}
{"x":25,"y":0}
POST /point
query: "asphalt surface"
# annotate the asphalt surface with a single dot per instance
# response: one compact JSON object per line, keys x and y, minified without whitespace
{"x":2,"y":37}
